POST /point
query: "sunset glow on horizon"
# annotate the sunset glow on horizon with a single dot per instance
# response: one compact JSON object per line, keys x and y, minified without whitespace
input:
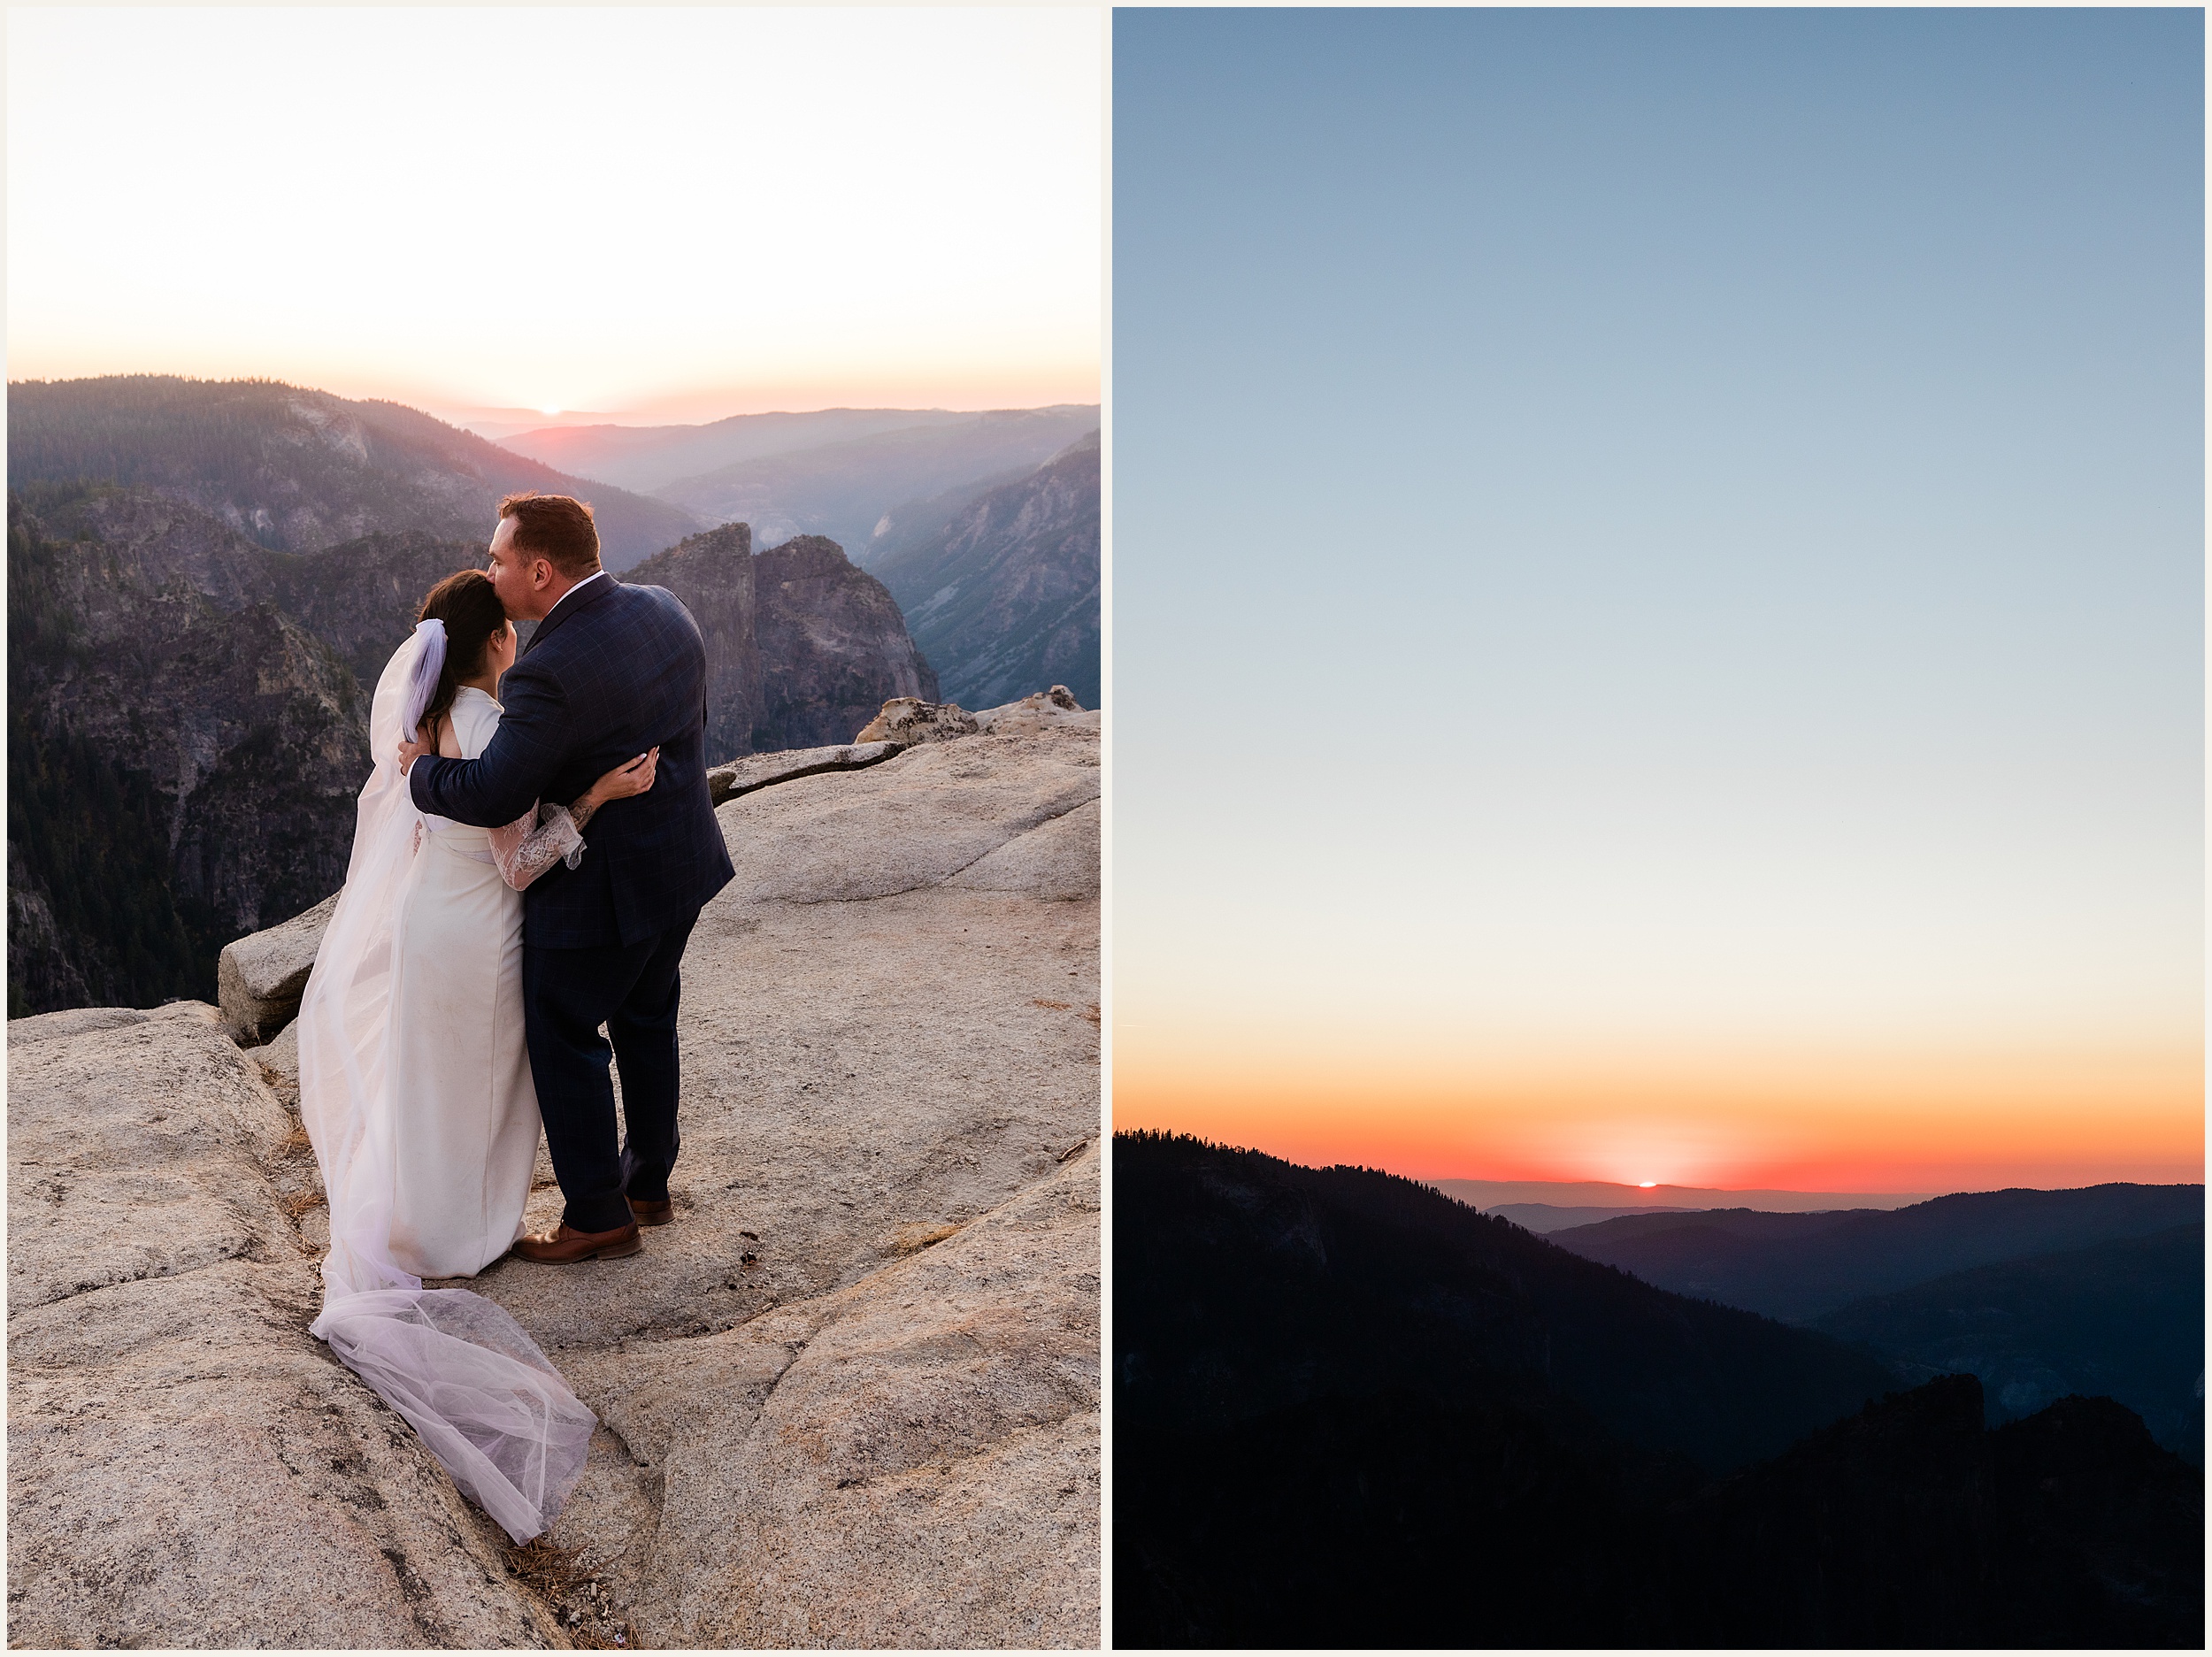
{"x":1690,"y":673}
{"x":1923,"y":1125}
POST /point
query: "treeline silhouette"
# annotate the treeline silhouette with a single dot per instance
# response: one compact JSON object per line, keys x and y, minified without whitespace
{"x":1350,"y":1411}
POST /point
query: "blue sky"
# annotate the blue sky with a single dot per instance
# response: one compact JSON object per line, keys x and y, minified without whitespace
{"x":1658,"y":553}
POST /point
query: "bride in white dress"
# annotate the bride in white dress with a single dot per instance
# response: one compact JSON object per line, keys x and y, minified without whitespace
{"x":415,"y":1082}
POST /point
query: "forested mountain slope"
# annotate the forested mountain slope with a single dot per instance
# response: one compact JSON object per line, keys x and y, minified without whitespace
{"x":2122,"y":1319}
{"x":297,"y":470}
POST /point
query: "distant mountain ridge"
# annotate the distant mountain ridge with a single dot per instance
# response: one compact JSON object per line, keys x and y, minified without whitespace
{"x":1542,"y":1218}
{"x":296,"y":470}
{"x":1799,"y":1266}
{"x":847,"y":490}
{"x":648,"y":457}
{"x":1007,"y":595}
{"x":1491,"y":1195}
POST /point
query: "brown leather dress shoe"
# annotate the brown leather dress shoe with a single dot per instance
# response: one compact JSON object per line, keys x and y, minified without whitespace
{"x":647,"y":1212}
{"x":568,"y":1245}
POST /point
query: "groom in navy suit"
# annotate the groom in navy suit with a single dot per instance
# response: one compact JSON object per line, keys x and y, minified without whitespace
{"x":612,"y":672}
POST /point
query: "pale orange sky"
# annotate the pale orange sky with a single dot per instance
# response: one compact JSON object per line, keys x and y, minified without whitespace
{"x":1567,"y":1021}
{"x":690,"y":212}
{"x":1805,"y":1120}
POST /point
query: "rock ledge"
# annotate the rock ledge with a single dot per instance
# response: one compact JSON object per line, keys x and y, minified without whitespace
{"x":849,"y":1398}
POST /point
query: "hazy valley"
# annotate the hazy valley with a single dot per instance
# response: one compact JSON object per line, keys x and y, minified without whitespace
{"x":1007,"y":593}
{"x":861,"y":477}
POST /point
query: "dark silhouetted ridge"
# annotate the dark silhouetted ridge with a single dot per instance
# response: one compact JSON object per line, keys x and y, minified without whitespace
{"x":1269,"y":1284}
{"x":1910,"y":1524}
{"x":1350,"y":1411}
{"x":2123,"y":1319}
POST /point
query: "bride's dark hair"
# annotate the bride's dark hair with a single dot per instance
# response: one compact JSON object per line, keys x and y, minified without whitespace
{"x":469,"y":605}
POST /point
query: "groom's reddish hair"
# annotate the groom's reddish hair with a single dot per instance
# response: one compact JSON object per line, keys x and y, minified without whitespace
{"x":558,"y":528}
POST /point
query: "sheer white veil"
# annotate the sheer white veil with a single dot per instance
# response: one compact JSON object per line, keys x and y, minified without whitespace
{"x":459,"y":1368}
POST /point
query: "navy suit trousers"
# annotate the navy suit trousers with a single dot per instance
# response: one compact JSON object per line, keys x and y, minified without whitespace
{"x":632,"y":990}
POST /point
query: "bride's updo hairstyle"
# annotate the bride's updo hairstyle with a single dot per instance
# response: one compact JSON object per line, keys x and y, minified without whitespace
{"x":469,"y":605}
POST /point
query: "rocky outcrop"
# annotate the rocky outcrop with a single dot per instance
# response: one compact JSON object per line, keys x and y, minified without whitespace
{"x":259,"y":978}
{"x":297,"y":470}
{"x":802,"y":646}
{"x":909,"y":720}
{"x":849,"y":1396}
{"x":1007,"y":594}
{"x":187,"y":1466}
{"x":1910,"y":1524}
{"x":713,"y":574}
{"x":1035,"y":713}
{"x":833,"y":647}
{"x":763,"y":771}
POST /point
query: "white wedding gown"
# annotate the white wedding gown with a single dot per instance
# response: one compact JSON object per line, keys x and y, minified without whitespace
{"x":415,"y":1090}
{"x":465,"y":1116}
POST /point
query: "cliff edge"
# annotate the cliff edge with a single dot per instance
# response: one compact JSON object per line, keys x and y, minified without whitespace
{"x":849,"y":1398}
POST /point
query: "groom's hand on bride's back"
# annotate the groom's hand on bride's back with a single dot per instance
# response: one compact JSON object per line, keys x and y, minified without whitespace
{"x":411,"y":750}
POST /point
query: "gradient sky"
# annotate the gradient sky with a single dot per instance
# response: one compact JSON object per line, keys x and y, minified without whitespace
{"x":1658,"y":592}
{"x":672,"y":213}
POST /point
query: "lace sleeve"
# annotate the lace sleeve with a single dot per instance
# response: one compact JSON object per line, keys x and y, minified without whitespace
{"x":533,"y":842}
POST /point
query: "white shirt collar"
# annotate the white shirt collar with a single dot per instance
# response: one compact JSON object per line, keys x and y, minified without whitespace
{"x":595,"y":576}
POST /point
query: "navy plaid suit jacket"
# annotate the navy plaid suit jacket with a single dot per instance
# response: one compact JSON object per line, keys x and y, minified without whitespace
{"x":614,"y":671}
